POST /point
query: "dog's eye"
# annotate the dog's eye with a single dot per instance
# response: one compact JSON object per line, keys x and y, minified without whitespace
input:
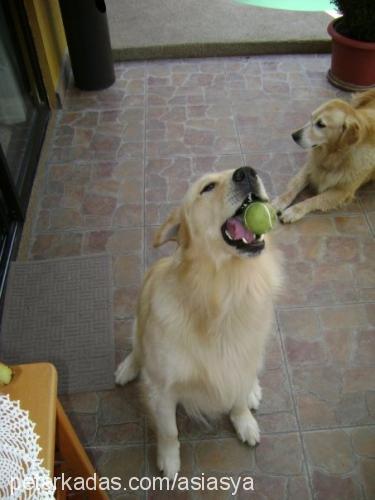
{"x":209,"y":187}
{"x":320,"y":124}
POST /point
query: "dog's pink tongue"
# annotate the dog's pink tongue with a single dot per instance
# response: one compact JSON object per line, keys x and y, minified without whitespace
{"x":237,"y":230}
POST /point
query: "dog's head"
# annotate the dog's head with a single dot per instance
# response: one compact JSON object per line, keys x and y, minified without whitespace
{"x":210,"y":218}
{"x":334,"y":123}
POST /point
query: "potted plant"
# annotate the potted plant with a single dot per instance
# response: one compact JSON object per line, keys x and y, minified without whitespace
{"x":353,"y":45}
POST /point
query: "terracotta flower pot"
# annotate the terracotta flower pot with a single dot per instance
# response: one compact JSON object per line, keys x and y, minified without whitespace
{"x":353,"y":62}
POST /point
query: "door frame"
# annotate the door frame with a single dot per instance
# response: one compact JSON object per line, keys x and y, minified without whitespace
{"x":16,"y":195}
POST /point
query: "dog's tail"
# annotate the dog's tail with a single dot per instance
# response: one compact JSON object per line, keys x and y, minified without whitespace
{"x":130,"y":368}
{"x":364,"y":99}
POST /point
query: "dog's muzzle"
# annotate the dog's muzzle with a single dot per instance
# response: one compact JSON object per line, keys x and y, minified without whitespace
{"x":245,"y":181}
{"x":299,"y":139}
{"x":247,"y":187}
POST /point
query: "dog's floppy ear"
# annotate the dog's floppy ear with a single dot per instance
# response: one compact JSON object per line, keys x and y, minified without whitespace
{"x":350,"y":132}
{"x":169,"y":230}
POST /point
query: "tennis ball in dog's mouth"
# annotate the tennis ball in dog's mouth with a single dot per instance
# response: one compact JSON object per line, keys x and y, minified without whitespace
{"x":259,"y":217}
{"x":5,"y":374}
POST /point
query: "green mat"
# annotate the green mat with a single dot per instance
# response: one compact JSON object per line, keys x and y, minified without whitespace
{"x":304,"y":5}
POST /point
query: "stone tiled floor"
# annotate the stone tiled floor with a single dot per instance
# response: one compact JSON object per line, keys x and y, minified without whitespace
{"x":119,"y":160}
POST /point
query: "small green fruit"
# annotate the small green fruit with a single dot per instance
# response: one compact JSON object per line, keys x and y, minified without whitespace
{"x":259,"y":217}
{"x":5,"y":374}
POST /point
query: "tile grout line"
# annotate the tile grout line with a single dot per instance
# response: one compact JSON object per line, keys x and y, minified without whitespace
{"x":229,"y":437}
{"x":335,"y":305}
{"x":304,"y":454}
{"x":144,"y":495}
{"x":144,"y":167}
{"x":227,"y":74}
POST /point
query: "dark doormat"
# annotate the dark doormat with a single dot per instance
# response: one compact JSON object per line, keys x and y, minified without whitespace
{"x":60,"y":311}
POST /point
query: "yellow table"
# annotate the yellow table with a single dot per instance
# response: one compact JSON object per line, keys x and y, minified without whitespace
{"x":35,"y":387}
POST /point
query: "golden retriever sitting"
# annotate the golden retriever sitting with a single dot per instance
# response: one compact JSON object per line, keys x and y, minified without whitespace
{"x":205,"y":312}
{"x":341,"y":139}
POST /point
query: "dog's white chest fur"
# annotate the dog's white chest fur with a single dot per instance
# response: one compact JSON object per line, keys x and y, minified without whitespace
{"x":209,"y":363}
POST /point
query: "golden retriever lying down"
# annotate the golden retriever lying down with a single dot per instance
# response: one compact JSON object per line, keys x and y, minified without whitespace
{"x":341,"y":139}
{"x":205,"y":312}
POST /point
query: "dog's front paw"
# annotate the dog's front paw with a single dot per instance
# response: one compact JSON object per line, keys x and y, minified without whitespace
{"x":246,"y":427}
{"x":291,"y":214}
{"x":279,"y":204}
{"x":255,"y":396}
{"x":168,"y":460}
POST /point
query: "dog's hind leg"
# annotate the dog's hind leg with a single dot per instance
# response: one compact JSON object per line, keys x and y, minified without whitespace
{"x":163,"y":408}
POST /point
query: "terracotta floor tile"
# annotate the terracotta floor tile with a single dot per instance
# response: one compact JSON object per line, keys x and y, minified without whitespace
{"x":170,"y":132}
{"x":339,"y":464}
{"x":85,"y":424}
{"x":331,"y":365}
{"x":270,"y":456}
{"x":265,"y":487}
{"x":128,"y":269}
{"x":50,"y":245}
{"x":84,"y":402}
{"x":330,"y":450}
{"x":121,"y":405}
{"x":331,"y":487}
{"x":120,"y":434}
{"x":123,"y":463}
{"x":123,"y":330}
{"x":224,"y":455}
{"x":352,"y":316}
{"x":367,"y":474}
{"x":125,"y":300}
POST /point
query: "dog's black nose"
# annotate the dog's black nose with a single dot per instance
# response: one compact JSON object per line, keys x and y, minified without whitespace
{"x":297,"y":135}
{"x":244,"y":174}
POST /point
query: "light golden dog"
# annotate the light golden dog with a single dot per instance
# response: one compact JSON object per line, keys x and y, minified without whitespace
{"x":205,"y":312}
{"x":341,"y":139}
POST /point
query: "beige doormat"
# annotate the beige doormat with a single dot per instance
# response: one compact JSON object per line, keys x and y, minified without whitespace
{"x":60,"y":311}
{"x":160,"y":29}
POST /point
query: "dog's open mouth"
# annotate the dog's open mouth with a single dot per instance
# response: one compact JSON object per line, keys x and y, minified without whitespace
{"x":237,"y":235}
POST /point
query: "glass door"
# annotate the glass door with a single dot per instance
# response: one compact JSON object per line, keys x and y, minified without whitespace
{"x":23,"y":120}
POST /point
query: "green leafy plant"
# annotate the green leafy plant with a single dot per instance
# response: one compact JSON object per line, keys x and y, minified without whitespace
{"x":358,"y":19}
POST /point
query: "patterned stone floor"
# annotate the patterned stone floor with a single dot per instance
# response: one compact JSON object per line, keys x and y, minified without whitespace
{"x":119,"y":160}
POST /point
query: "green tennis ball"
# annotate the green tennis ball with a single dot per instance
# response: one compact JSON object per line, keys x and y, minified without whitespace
{"x":259,"y":217}
{"x":5,"y":374}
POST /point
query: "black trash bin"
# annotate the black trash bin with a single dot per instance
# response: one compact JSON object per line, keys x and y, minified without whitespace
{"x":87,"y":35}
